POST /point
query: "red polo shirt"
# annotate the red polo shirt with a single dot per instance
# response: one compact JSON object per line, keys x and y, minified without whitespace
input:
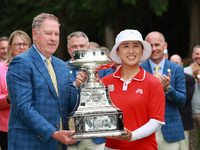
{"x":140,"y":99}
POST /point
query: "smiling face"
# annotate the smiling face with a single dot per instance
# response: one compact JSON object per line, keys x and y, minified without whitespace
{"x":46,"y":39}
{"x":130,"y":52}
{"x":158,"y":46}
{"x":15,"y":48}
{"x":196,"y":55}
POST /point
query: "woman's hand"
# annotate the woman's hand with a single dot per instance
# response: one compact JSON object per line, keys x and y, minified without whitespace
{"x":123,"y":138}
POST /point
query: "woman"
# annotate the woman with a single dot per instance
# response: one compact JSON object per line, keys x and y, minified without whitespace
{"x":19,"y":42}
{"x":136,"y":92}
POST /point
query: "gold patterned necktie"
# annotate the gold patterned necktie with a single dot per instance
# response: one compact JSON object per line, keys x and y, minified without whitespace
{"x":156,"y":70}
{"x":53,"y":78}
{"x":52,"y":74}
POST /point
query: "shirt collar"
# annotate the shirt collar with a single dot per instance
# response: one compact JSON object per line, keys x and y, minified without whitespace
{"x":41,"y":55}
{"x":161,"y":64}
{"x":139,"y":77}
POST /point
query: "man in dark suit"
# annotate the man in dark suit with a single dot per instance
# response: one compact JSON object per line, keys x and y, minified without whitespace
{"x":186,"y":111}
{"x":171,"y":76}
{"x":40,"y":92}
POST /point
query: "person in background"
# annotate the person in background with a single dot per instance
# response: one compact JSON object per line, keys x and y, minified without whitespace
{"x":194,"y":70}
{"x":3,"y":48}
{"x":186,"y":111}
{"x":172,"y":77}
{"x":40,"y":91}
{"x":137,"y":93}
{"x":94,"y":45}
{"x":78,"y":40}
{"x":19,"y":42}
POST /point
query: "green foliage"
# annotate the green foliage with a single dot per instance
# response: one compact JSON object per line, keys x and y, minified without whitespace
{"x":158,"y":6}
{"x":133,"y":2}
{"x":18,"y":14}
{"x":92,"y":16}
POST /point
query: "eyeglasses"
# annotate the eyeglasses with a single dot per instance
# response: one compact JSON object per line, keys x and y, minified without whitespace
{"x":18,"y":45}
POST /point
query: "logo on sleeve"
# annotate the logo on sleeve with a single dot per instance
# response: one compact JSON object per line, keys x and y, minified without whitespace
{"x":139,"y":91}
{"x":111,"y":87}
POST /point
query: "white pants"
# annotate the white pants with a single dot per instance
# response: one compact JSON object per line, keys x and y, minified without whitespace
{"x":184,"y":144}
{"x":87,"y":144}
{"x":163,"y":144}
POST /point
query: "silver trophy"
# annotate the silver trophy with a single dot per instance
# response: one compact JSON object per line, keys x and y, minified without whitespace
{"x":96,"y":115}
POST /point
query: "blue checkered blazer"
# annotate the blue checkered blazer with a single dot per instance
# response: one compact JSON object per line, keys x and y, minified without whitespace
{"x":173,"y":129}
{"x":36,"y":108}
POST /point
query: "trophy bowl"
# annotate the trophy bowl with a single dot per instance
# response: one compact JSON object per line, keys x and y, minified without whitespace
{"x":96,"y":115}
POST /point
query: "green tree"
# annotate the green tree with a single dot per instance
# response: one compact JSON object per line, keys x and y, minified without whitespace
{"x":103,"y":20}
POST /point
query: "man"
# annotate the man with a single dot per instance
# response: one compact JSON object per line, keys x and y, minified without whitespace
{"x":3,"y":48}
{"x":94,"y":45}
{"x":171,"y":76}
{"x":194,"y":70}
{"x":186,"y":111}
{"x":79,"y":41}
{"x":40,"y":91}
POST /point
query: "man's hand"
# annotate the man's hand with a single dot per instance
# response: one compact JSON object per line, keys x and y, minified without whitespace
{"x":165,"y":80}
{"x":124,"y":138}
{"x":63,"y":137}
{"x":195,"y":68}
{"x":80,"y":78}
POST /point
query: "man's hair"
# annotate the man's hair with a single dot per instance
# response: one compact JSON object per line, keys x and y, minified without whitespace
{"x":77,"y":34}
{"x":197,"y":46}
{"x":95,"y":44}
{"x":37,"y":21}
{"x":3,"y":38}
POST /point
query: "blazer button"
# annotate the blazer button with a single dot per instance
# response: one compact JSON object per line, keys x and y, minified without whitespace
{"x":57,"y":126}
{"x":60,"y":108}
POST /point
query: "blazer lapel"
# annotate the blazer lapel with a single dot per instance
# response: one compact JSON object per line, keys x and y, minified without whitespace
{"x":167,"y":68}
{"x":148,"y":67}
{"x":39,"y":63}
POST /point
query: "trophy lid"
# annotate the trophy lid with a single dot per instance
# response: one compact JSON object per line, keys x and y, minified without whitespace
{"x":90,"y":56}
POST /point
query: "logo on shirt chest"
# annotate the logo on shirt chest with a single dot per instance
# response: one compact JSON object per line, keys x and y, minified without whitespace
{"x":139,"y":91}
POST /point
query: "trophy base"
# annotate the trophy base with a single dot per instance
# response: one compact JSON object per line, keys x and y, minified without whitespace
{"x":96,"y":124}
{"x":99,"y":134}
